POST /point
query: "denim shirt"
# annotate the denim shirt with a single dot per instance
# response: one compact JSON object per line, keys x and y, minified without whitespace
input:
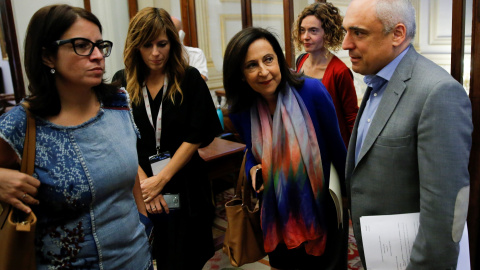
{"x":87,"y":216}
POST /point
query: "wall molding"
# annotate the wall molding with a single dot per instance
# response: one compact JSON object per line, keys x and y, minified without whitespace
{"x":255,"y":1}
{"x":224,"y":18}
{"x":344,"y":3}
{"x":435,"y":38}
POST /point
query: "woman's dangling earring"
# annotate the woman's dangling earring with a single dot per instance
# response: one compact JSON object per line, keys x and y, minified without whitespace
{"x":52,"y":71}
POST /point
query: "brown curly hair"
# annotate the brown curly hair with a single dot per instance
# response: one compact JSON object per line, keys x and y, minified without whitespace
{"x":331,"y":20}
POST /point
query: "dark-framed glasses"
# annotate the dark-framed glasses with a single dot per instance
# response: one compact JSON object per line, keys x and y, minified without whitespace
{"x":85,"y":47}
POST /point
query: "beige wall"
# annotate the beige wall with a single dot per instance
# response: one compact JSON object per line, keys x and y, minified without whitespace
{"x":219,"y":20}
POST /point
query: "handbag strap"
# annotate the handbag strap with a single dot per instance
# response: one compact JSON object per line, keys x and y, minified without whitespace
{"x":242,"y":184}
{"x":28,"y":158}
{"x":241,"y":177}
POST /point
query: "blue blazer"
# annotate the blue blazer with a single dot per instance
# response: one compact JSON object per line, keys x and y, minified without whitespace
{"x":322,"y":112}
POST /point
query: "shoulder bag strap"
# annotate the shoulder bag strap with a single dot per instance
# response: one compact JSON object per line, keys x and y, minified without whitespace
{"x":241,"y":177}
{"x":244,"y":190}
{"x":28,"y":158}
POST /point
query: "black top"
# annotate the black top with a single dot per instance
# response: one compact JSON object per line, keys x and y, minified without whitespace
{"x":194,"y":120}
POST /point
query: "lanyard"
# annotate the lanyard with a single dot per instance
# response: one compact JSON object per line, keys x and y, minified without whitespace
{"x":158,"y":131}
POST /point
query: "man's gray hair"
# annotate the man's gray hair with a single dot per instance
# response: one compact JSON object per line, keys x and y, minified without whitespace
{"x":392,"y":12}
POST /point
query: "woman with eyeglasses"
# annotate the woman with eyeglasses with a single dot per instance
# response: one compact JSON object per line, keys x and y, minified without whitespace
{"x":175,"y":114}
{"x":84,"y":186}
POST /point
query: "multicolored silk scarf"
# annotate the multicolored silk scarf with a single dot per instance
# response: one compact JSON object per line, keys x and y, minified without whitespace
{"x":292,"y":211}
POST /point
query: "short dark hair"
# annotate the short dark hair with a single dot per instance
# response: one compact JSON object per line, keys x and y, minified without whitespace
{"x":240,"y":95}
{"x":47,"y":25}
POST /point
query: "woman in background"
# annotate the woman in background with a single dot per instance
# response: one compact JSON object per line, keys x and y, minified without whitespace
{"x":175,"y":114}
{"x":85,"y":163}
{"x":289,"y":126}
{"x":318,"y":30}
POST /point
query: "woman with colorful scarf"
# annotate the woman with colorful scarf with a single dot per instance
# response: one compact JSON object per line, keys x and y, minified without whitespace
{"x":291,"y":131}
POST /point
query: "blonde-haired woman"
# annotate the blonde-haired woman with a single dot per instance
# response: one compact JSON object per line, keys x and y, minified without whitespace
{"x":175,"y":115}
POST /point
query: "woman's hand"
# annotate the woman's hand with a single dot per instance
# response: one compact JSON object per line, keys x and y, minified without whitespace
{"x":253,"y":176}
{"x":155,"y":205}
{"x":152,"y":186}
{"x":18,"y":189}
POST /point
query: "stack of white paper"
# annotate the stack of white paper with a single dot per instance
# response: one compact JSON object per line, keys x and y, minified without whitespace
{"x":388,"y":241}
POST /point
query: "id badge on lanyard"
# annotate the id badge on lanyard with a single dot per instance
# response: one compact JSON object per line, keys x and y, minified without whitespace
{"x":160,"y":160}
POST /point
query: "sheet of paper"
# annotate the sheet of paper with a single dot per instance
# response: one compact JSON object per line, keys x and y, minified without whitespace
{"x":388,"y":241}
{"x":464,"y":255}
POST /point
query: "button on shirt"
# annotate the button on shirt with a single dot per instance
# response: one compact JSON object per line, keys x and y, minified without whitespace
{"x":378,"y":83}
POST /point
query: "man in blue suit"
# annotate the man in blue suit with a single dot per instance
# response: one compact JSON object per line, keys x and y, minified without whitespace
{"x":410,"y":145}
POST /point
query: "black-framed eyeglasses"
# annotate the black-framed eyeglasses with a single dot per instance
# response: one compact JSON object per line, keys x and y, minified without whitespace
{"x":85,"y":47}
